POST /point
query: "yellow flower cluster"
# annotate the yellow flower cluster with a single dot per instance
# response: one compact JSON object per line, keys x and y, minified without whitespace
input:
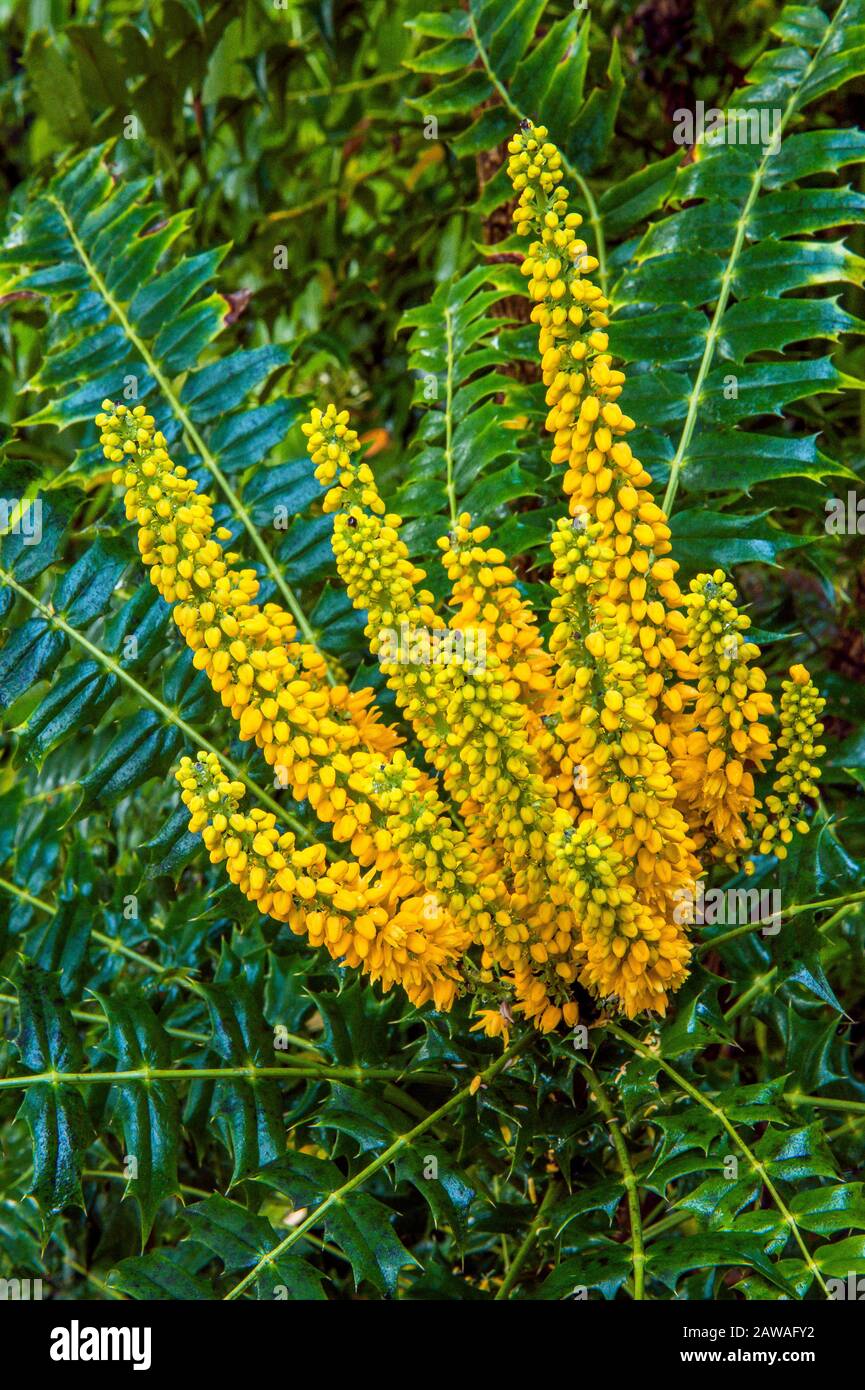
{"x":328,"y":745}
{"x":603,"y":479}
{"x":483,"y":732}
{"x":467,"y":715}
{"x":609,"y":726}
{"x":485,"y":599}
{"x":627,"y":950}
{"x":374,"y":922}
{"x":568,"y":793}
{"x":797,"y":772}
{"x":720,"y":741}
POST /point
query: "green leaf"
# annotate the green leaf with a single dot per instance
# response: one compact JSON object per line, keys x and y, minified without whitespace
{"x":242,"y":1239}
{"x":721,"y":278}
{"x":59,"y":942}
{"x":670,"y":1256}
{"x":147,"y":1112}
{"x":429,"y":1168}
{"x":249,"y":1113}
{"x":602,"y":1265}
{"x":157,"y":1276}
{"x":703,"y":539}
{"x":54,"y":1112}
{"x":143,"y":748}
{"x":828,"y":1210}
{"x":358,"y":1224}
{"x":58,"y":94}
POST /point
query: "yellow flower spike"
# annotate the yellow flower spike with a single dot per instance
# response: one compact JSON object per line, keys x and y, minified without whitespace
{"x":367,"y":921}
{"x":627,"y":951}
{"x":487,"y":760}
{"x":797,"y":772}
{"x":720,"y":740}
{"x":486,"y":600}
{"x":602,"y":479}
{"x":608,"y":725}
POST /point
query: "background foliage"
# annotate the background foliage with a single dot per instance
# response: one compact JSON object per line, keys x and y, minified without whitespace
{"x":242,"y":207}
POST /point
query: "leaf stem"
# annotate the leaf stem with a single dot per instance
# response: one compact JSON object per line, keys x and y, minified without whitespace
{"x":570,"y":169}
{"x":251,"y":1072}
{"x":27,"y":897}
{"x":857,"y":897}
{"x":632,"y":1190}
{"x":825,"y":1102}
{"x":666,"y":1223}
{"x":522,"y":1253}
{"x":342,"y":87}
{"x":449,"y":421}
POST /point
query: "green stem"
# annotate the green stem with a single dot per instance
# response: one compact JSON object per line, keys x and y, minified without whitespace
{"x":857,"y":897}
{"x":99,"y":1021}
{"x":114,"y":1175}
{"x":713,"y":1109}
{"x":632,"y":1190}
{"x":343,"y":87}
{"x":594,"y":219}
{"x":825,"y":1102}
{"x":714,"y":331}
{"x":252,"y":1072}
{"x":522,"y":1254}
{"x":196,"y":739}
{"x":666,"y":1223}
{"x":190,"y":430}
{"x":754,"y":990}
{"x":401,"y":1142}
{"x":449,"y":423}
{"x":27,"y":897}
{"x":569,"y":169}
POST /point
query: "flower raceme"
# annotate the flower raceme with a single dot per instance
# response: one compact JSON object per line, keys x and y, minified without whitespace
{"x":376,"y":923}
{"x":797,"y":772}
{"x":603,"y":479}
{"x":719,"y":744}
{"x":334,"y":751}
{"x":562,"y":797}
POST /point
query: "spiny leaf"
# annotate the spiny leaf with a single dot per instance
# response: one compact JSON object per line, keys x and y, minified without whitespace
{"x":54,"y":1112}
{"x":242,"y":1239}
{"x":147,"y":1112}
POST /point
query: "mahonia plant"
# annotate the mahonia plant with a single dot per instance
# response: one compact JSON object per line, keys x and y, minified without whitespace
{"x":562,"y":799}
